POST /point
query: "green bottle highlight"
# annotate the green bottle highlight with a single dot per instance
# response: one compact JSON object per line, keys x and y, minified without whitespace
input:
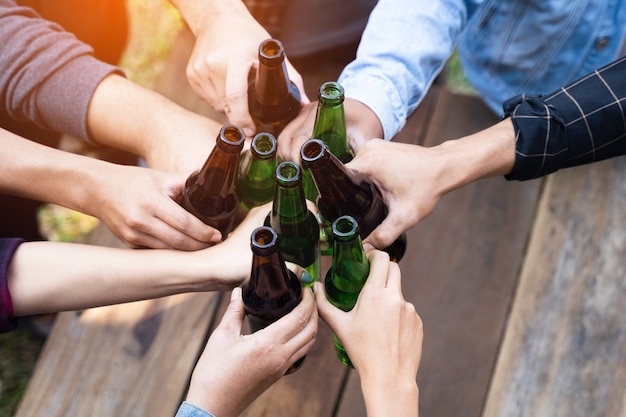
{"x":295,"y":224}
{"x":348,"y":272}
{"x":330,"y":128}
{"x":255,"y":177}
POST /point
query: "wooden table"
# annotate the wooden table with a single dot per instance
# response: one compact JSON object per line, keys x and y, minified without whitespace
{"x":520,"y":286}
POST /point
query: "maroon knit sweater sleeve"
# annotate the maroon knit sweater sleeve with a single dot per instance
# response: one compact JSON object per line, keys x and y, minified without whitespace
{"x":7,"y":249}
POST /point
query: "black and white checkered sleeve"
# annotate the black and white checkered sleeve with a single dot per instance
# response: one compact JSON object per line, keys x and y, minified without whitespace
{"x":581,"y":123}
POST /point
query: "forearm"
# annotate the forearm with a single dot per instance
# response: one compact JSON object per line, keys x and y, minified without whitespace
{"x":127,"y":116}
{"x":42,"y":173}
{"x":199,"y":14}
{"x":488,"y":153}
{"x":53,"y":276}
{"x":390,"y":396}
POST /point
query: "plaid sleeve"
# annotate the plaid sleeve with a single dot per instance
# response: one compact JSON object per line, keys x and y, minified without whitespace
{"x":581,"y":123}
{"x":7,"y":249}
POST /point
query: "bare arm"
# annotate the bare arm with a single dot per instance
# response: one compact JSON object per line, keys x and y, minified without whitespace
{"x":137,"y":204}
{"x":52,"y":276}
{"x":127,"y":116}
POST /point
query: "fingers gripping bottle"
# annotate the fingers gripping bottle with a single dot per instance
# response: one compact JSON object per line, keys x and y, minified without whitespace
{"x":341,"y":193}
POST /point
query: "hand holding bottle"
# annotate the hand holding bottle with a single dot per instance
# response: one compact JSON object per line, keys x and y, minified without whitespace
{"x":225,"y":51}
{"x":362,"y":124}
{"x":235,"y":369}
{"x":382,"y":334}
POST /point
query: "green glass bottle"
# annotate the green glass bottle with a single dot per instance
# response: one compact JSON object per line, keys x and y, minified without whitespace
{"x":272,"y":290}
{"x":329,"y":127}
{"x":348,"y":272}
{"x":296,"y":225}
{"x":273,"y":99}
{"x":255,"y":178}
{"x":341,"y":193}
{"x":209,"y":193}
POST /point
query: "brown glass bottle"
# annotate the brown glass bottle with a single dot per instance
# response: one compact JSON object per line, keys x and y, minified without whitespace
{"x":272,"y":290}
{"x":273,"y":99}
{"x":341,"y":194}
{"x":210,"y":193}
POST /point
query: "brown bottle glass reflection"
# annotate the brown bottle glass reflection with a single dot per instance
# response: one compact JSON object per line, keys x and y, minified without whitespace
{"x":209,"y":193}
{"x":273,"y":99}
{"x":272,"y":290}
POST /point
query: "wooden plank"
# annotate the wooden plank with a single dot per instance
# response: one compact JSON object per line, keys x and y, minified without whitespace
{"x":460,"y":272}
{"x":564,"y":353}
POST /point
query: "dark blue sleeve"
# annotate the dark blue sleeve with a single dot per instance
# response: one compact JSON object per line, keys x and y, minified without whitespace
{"x":581,"y":123}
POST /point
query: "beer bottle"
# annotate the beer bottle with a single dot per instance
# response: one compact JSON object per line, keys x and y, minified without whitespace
{"x":348,"y":272}
{"x":330,"y":127}
{"x":340,"y":193}
{"x":209,"y":193}
{"x":295,"y":224}
{"x":272,"y":290}
{"x":255,"y":177}
{"x":273,"y":99}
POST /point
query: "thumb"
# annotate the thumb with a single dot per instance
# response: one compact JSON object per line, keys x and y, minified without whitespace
{"x":384,"y":234}
{"x":328,"y":312}
{"x":232,"y":321}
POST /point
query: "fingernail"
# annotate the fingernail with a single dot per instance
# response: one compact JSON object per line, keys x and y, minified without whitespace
{"x":216,"y":238}
{"x":235,"y":294}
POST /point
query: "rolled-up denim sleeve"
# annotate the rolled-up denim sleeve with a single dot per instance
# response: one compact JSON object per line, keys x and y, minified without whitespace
{"x":581,"y":123}
{"x":189,"y":410}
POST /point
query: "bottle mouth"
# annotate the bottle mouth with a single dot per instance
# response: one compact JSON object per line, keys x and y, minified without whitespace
{"x":311,"y":150}
{"x":264,"y":144}
{"x":232,"y":135}
{"x":345,"y":227}
{"x":331,"y":91}
{"x":271,"y":50}
{"x":288,"y":172}
{"x":263,"y":237}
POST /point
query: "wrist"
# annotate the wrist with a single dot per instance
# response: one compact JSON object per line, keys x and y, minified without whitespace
{"x":390,"y":396}
{"x":199,"y":14}
{"x":488,"y":153}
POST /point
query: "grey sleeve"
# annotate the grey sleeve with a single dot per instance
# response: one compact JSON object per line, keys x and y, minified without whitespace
{"x":47,"y":76}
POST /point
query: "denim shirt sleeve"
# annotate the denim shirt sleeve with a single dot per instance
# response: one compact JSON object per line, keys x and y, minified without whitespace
{"x":581,"y":123}
{"x":404,"y":46}
{"x":189,"y":410}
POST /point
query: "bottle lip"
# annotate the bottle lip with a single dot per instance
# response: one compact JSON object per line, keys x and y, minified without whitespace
{"x":271,"y":51}
{"x":264,"y":144}
{"x":312,"y":150}
{"x":331,"y":92}
{"x":344,"y":227}
{"x":232,"y":136}
{"x":288,"y":172}
{"x":263,"y":237}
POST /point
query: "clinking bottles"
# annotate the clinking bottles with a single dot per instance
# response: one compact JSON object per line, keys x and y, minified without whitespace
{"x":330,"y":128}
{"x":340,"y":194}
{"x":273,"y":99}
{"x":348,"y":272}
{"x":209,"y":193}
{"x":272,"y":290}
{"x":296,"y":225}
{"x":255,"y":177}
